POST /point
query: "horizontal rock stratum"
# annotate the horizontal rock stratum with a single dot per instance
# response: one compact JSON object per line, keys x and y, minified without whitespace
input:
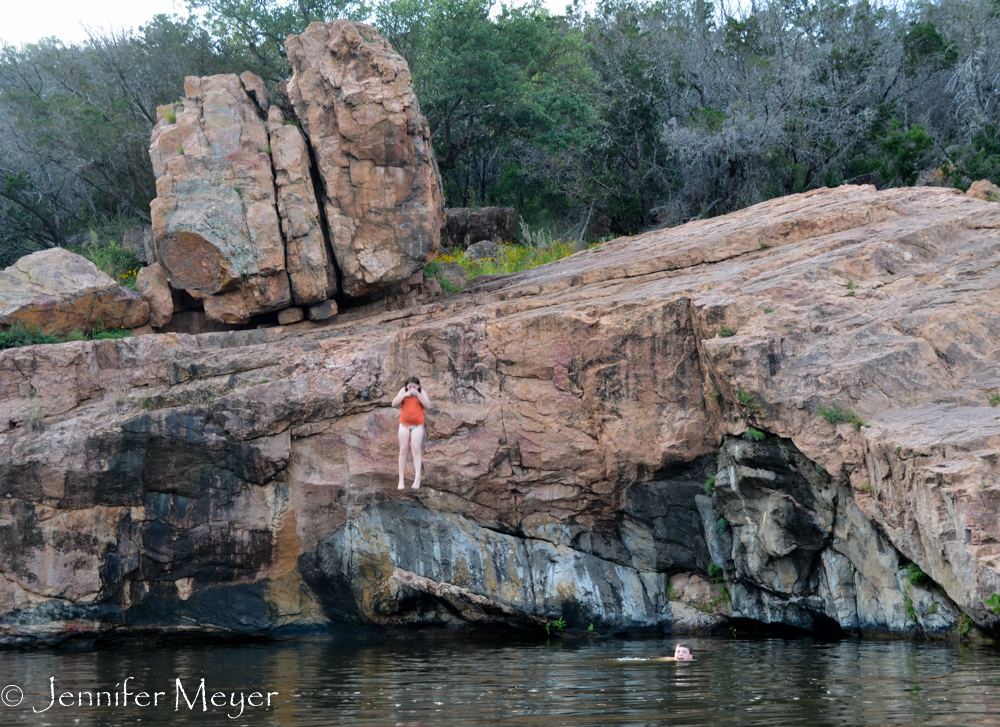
{"x":606,"y":429}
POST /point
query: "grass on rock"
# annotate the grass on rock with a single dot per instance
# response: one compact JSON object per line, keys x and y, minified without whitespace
{"x":23,"y":335}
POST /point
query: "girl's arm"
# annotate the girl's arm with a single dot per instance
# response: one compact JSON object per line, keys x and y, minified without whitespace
{"x":398,"y":401}
{"x":423,"y":398}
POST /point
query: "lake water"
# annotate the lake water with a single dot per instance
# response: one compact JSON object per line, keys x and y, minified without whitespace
{"x":432,"y":682}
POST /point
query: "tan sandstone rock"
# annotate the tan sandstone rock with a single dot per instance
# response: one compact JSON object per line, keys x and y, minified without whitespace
{"x":310,"y":271}
{"x":60,"y":291}
{"x":291,"y":315}
{"x":214,"y":217}
{"x":151,"y":281}
{"x":354,"y":97}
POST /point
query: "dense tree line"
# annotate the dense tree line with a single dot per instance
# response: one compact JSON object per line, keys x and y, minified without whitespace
{"x":607,"y":121}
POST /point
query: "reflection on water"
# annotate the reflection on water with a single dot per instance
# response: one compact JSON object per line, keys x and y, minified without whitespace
{"x":457,"y":682}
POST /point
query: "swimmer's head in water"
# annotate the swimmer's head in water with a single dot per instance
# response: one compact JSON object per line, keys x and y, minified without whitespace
{"x":413,"y":382}
{"x":682,"y":652}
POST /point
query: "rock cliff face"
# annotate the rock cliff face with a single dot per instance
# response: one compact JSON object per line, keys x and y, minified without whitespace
{"x":828,"y":358}
{"x":254,"y":214}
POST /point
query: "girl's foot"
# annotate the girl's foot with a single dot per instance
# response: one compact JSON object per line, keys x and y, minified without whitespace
{"x":401,"y":485}
{"x":416,"y":484}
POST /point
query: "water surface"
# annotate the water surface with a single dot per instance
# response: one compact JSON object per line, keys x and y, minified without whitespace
{"x":435,"y":682}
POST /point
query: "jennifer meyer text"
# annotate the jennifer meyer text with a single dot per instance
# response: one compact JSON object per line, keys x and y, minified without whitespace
{"x":178,"y":696}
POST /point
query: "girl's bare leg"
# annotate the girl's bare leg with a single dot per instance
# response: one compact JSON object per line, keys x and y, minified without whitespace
{"x":404,"y":443}
{"x":416,"y":439}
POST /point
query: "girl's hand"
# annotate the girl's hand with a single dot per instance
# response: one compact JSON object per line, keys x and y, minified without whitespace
{"x":398,"y":400}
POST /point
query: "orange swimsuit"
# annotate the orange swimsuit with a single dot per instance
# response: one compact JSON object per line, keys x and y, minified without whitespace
{"x":412,"y":414}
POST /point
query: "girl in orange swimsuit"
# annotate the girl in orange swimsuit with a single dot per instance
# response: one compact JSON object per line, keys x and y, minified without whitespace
{"x":412,"y":399}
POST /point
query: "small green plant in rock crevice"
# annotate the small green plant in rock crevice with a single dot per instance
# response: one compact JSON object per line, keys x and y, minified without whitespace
{"x":995,"y":400}
{"x":213,"y":393}
{"x":916,"y":577}
{"x":725,"y":332}
{"x":836,"y":414}
{"x":715,"y":572}
{"x":671,"y":593}
{"x":559,"y":624}
{"x":710,"y":486}
{"x":747,"y":398}
{"x":753,"y":435}
{"x":721,"y":525}
{"x":447,"y":287}
{"x":964,"y":624}
{"x":910,"y":613}
{"x":993,"y":603}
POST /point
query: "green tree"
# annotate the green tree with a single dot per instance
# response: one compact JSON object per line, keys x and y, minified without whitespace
{"x":254,"y":31}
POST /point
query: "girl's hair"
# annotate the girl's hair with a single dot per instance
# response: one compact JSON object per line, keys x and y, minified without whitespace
{"x":413,"y":380}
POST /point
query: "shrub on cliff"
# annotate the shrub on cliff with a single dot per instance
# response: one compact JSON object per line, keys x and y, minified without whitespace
{"x":108,"y":254}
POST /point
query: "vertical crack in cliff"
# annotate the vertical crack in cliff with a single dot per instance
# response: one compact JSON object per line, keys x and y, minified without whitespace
{"x":262,"y":114}
{"x":319,"y":192}
{"x":503,"y":415}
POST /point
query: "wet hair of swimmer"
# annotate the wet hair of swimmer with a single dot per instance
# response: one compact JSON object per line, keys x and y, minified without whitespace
{"x":413,"y":380}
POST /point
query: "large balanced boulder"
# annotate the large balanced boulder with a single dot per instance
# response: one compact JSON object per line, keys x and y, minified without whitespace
{"x":338,"y":192}
{"x":798,"y":394}
{"x":381,"y":189}
{"x":59,"y":291}
{"x":215,"y":220}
